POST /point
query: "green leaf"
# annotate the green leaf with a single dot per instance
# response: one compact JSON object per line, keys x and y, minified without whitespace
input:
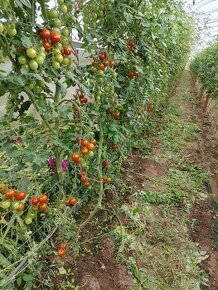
{"x":26,"y":41}
{"x":27,"y":277}
{"x":25,"y":3}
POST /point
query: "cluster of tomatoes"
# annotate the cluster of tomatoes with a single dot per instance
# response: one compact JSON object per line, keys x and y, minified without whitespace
{"x":116,"y":114}
{"x":131,"y":45}
{"x":71,"y":201}
{"x":9,"y":29}
{"x":82,"y":98}
{"x":40,"y":202}
{"x":86,"y":149}
{"x":84,"y":179}
{"x":62,"y":250}
{"x":104,"y":62}
{"x":14,"y":199}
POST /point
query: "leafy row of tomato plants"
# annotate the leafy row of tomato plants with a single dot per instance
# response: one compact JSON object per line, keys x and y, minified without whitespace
{"x":87,"y":118}
{"x":204,"y":66}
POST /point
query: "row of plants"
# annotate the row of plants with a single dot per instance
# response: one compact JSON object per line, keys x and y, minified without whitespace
{"x":87,"y":118}
{"x":204,"y":66}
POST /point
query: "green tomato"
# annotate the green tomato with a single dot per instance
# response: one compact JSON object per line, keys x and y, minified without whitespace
{"x":39,"y":59}
{"x":70,"y":7}
{"x":94,"y":16}
{"x":31,"y":52}
{"x":1,"y":27}
{"x":26,"y":66}
{"x":56,"y":51}
{"x":57,"y":23}
{"x":38,"y":89}
{"x":28,"y":220}
{"x":48,"y":79}
{"x":65,"y":41}
{"x":90,"y":154}
{"x":114,"y":75}
{"x":53,"y":13}
{"x":66,"y":61}
{"x":60,"y":2}
{"x":41,"y":49}
{"x":59,"y":58}
{"x":59,"y":46}
{"x":31,"y":85}
{"x":11,"y":32}
{"x":64,"y":8}
{"x":56,"y":30}
{"x":31,"y":215}
{"x":5,"y":204}
{"x":41,"y":84}
{"x":22,"y":60}
{"x":15,"y":205}
{"x":100,"y":73}
{"x":55,"y":65}
{"x":33,"y":64}
{"x":65,"y":31}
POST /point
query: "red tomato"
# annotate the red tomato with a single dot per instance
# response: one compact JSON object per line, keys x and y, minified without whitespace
{"x":43,"y":207}
{"x":84,"y":101}
{"x":131,"y":75}
{"x":72,"y":201}
{"x":45,"y":33}
{"x":135,"y":73}
{"x":20,"y":207}
{"x":20,"y":195}
{"x":106,"y":54}
{"x":149,"y":108}
{"x":34,"y":201}
{"x":75,"y":157}
{"x":113,"y":146}
{"x":43,"y":198}
{"x":117,"y":115}
{"x":84,"y":142}
{"x":102,"y":56}
{"x":90,"y":147}
{"x":131,"y":43}
{"x":81,"y":96}
{"x":67,"y":51}
{"x":46,"y":45}
{"x":61,"y":252}
{"x":55,"y":37}
{"x":10,"y":194}
{"x":110,"y":111}
{"x":94,"y":62}
{"x":78,"y":139}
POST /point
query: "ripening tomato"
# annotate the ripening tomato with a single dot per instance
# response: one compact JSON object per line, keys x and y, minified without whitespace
{"x":43,"y":198}
{"x":84,"y":151}
{"x":101,"y":66}
{"x":149,"y":108}
{"x":116,"y":115}
{"x":111,"y":63}
{"x":46,"y":45}
{"x":72,"y":201}
{"x":61,"y":252}
{"x":106,"y":163}
{"x":91,"y":147}
{"x":20,"y":195}
{"x":75,"y":157}
{"x":45,"y":33}
{"x":21,"y":206}
{"x":84,"y":142}
{"x":106,"y":63}
{"x":34,"y":200}
{"x":131,"y":75}
{"x":93,"y":141}
{"x":63,"y":246}
{"x":78,"y":139}
{"x":84,"y":178}
{"x":43,"y":207}
{"x":135,"y":73}
{"x":10,"y":194}
{"x":113,"y":146}
{"x":94,"y":62}
{"x":55,"y":37}
{"x":86,"y":184}
{"x":67,"y":51}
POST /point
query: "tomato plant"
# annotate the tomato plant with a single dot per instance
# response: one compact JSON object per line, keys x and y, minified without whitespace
{"x":65,"y":121}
